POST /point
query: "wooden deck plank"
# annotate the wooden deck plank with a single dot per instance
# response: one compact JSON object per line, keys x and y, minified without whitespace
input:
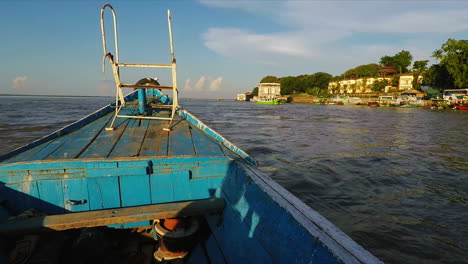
{"x":47,"y":149}
{"x":156,"y":139}
{"x":205,"y":146}
{"x":113,"y":216}
{"x":23,"y":156}
{"x":180,"y":139}
{"x":105,"y":142}
{"x":79,"y":139}
{"x":130,"y":142}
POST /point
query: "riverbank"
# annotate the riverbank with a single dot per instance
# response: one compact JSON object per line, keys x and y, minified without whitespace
{"x":302,"y":98}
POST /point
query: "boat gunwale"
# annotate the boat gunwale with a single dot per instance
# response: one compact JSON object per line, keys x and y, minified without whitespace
{"x":332,"y":237}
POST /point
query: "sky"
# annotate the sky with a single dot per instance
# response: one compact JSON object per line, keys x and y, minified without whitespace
{"x":222,"y":47}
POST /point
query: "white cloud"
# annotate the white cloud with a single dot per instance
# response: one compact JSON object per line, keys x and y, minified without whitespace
{"x":329,"y":32}
{"x":200,"y":83}
{"x":20,"y":82}
{"x":216,"y":84}
{"x":262,"y":48}
{"x":188,"y":85}
{"x":203,"y":85}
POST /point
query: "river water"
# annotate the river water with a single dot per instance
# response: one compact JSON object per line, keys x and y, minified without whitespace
{"x":395,"y":180}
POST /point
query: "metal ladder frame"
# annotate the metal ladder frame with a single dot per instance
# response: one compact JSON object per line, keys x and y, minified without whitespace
{"x":115,"y":64}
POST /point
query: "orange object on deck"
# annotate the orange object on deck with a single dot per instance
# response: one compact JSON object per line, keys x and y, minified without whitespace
{"x":171,"y":223}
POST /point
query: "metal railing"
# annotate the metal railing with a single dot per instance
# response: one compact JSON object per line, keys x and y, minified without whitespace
{"x":115,"y":64}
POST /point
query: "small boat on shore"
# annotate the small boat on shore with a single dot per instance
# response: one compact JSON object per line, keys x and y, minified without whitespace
{"x":270,"y":100}
{"x":147,"y":164}
{"x":461,"y":106}
{"x":386,"y":101}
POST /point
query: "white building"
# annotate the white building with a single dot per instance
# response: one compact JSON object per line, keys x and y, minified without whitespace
{"x":269,"y":90}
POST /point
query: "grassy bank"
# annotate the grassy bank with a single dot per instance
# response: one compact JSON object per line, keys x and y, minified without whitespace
{"x":302,"y":98}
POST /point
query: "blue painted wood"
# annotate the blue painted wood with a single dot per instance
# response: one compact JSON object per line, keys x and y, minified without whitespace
{"x":75,"y":195}
{"x":135,"y":190}
{"x":76,"y":125}
{"x":214,"y":252}
{"x":180,"y":139}
{"x":275,"y":231}
{"x":162,"y":188}
{"x":51,"y":193}
{"x":204,"y":145}
{"x":233,"y":237}
{"x":215,"y":135}
{"x":156,"y":139}
{"x":321,"y":254}
{"x":200,"y":188}
{"x":105,"y":142}
{"x":21,"y":196}
{"x":23,"y":156}
{"x":209,"y":170}
{"x":104,"y":193}
{"x":80,"y":139}
{"x":113,"y":172}
{"x":47,"y":149}
{"x":129,"y":144}
{"x":181,"y":186}
{"x":207,"y":251}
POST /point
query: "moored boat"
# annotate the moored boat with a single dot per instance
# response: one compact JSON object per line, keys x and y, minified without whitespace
{"x":461,"y":107}
{"x":272,"y":101}
{"x":386,"y":101}
{"x":145,"y":162}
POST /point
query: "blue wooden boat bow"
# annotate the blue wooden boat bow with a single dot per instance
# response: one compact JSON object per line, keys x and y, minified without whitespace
{"x":144,"y":160}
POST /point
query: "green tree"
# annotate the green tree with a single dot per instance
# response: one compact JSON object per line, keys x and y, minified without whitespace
{"x":255,"y":91}
{"x":420,"y":66}
{"x":288,"y":85}
{"x":367,"y":70}
{"x":402,"y":60}
{"x":385,"y":60}
{"x":438,"y":77}
{"x":270,"y":79}
{"x":321,"y":80}
{"x":364,"y":85}
{"x":379,"y":85}
{"x":396,"y":80}
{"x":454,"y":56}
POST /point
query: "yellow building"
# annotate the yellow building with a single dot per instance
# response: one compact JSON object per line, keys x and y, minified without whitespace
{"x":355,"y":85}
{"x":363,"y":85}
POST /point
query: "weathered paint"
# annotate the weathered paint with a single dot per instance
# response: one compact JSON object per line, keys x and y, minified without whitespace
{"x":113,"y":216}
{"x":215,"y":135}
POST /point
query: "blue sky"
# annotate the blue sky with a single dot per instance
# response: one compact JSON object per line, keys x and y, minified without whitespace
{"x":222,"y":47}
